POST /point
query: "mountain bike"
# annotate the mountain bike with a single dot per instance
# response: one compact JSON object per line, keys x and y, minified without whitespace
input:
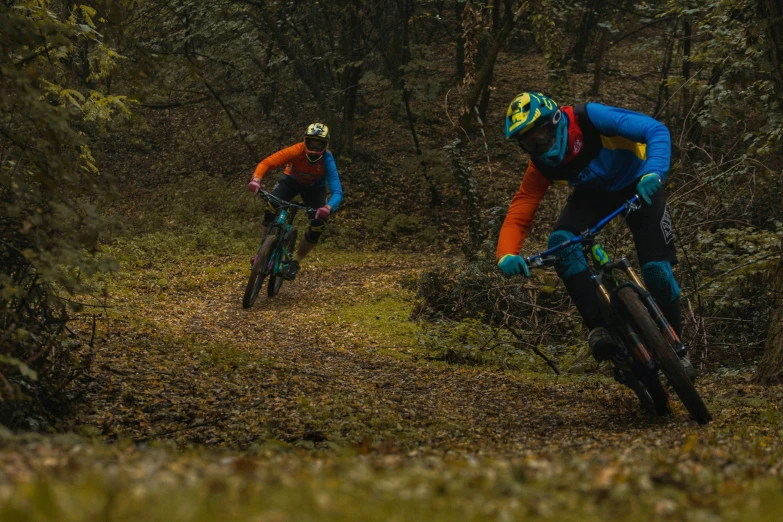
{"x":650,"y":345}
{"x":275,"y":251}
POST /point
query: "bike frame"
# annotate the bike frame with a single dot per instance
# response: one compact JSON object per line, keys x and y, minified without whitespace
{"x":628,"y":308}
{"x":603,"y":267}
{"x":283,"y":223}
{"x":589,"y":234}
{"x":281,"y":253}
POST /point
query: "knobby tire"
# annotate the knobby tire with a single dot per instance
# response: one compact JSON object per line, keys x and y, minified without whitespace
{"x":258,"y":272}
{"x":633,"y":382}
{"x":634,"y":376}
{"x":667,"y":358}
{"x":276,"y":280}
{"x":657,"y":392}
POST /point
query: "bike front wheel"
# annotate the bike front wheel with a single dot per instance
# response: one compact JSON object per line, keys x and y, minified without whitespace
{"x":259,"y":271}
{"x":276,"y":280}
{"x":664,"y":353}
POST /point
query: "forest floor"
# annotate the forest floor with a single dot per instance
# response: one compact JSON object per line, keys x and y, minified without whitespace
{"x":322,"y":404}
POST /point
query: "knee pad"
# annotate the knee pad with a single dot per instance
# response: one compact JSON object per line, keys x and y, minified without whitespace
{"x":659,"y":278}
{"x":315,"y":230}
{"x":270,"y":212}
{"x":571,"y":260}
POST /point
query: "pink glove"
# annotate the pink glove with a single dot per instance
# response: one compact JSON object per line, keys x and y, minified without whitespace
{"x":322,"y":213}
{"x":254,"y":186}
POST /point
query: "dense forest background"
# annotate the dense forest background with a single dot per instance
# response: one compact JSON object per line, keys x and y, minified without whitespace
{"x":129,"y":129}
{"x":136,"y":101}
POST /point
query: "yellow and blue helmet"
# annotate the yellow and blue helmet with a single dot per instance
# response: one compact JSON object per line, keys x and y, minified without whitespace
{"x":528,"y":110}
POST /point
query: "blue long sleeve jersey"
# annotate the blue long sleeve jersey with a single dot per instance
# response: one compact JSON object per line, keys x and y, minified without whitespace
{"x":332,"y":181}
{"x":608,"y":149}
{"x":632,"y":145}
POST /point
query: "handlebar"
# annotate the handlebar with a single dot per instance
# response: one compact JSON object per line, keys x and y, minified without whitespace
{"x":283,"y":203}
{"x":547,"y":257}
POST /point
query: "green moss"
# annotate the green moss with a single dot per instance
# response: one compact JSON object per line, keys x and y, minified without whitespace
{"x":383,"y":320}
{"x":326,"y":256}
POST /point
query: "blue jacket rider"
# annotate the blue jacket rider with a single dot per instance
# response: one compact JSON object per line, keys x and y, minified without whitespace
{"x":607,"y":154}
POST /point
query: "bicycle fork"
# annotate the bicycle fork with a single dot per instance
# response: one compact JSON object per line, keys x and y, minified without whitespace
{"x":655,"y":312}
{"x":629,"y":334}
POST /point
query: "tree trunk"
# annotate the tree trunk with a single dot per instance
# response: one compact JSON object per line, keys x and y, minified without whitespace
{"x":463,"y":176}
{"x":687,"y":35}
{"x":599,"y":64}
{"x":772,"y":11}
{"x":663,"y":88}
{"x":695,"y":131}
{"x":353,"y":75}
{"x":589,"y":19}
{"x":473,"y":85}
{"x":406,"y":56}
{"x":459,"y":8}
{"x":496,"y":21}
{"x":350,"y":82}
{"x":770,"y":370}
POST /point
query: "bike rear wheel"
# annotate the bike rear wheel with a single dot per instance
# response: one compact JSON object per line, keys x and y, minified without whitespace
{"x":275,"y":283}
{"x":258,"y":272}
{"x":631,"y":380}
{"x":655,"y":390}
{"x":664,"y":353}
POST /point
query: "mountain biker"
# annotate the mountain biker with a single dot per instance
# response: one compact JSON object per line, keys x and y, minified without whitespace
{"x":309,"y":170}
{"x":606,"y":154}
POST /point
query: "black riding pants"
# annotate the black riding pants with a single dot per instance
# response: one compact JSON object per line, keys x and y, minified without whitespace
{"x":651,"y":227}
{"x":287,"y":188}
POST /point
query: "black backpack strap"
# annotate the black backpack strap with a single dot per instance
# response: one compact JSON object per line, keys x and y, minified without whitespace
{"x":592,"y":146}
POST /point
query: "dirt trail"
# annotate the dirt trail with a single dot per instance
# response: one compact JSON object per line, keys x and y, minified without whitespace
{"x":338,"y":414}
{"x":203,"y":370}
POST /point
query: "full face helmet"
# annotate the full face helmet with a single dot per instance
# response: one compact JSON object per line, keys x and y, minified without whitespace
{"x":316,"y":139}
{"x":538,"y":126}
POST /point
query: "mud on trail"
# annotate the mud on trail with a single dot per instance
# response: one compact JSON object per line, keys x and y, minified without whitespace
{"x":325,"y":389}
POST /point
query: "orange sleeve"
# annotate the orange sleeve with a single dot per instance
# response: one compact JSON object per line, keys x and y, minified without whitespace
{"x":521,"y":211}
{"x":278,"y":159}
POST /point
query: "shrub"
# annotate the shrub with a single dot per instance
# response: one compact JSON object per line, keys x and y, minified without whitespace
{"x":461,"y":290}
{"x":49,"y":230}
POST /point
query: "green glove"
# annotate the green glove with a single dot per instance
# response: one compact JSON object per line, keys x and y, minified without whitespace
{"x":649,"y":185}
{"x":513,"y":265}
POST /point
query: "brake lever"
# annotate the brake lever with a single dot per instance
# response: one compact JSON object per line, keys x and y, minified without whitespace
{"x":538,"y":261}
{"x":635,"y":203}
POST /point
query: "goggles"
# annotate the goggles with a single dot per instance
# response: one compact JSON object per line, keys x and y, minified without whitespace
{"x":538,"y":140}
{"x":315,"y":145}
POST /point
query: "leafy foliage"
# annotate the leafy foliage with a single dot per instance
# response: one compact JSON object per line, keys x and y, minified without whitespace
{"x":474,"y":291}
{"x":49,"y":229}
{"x":328,"y":395}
